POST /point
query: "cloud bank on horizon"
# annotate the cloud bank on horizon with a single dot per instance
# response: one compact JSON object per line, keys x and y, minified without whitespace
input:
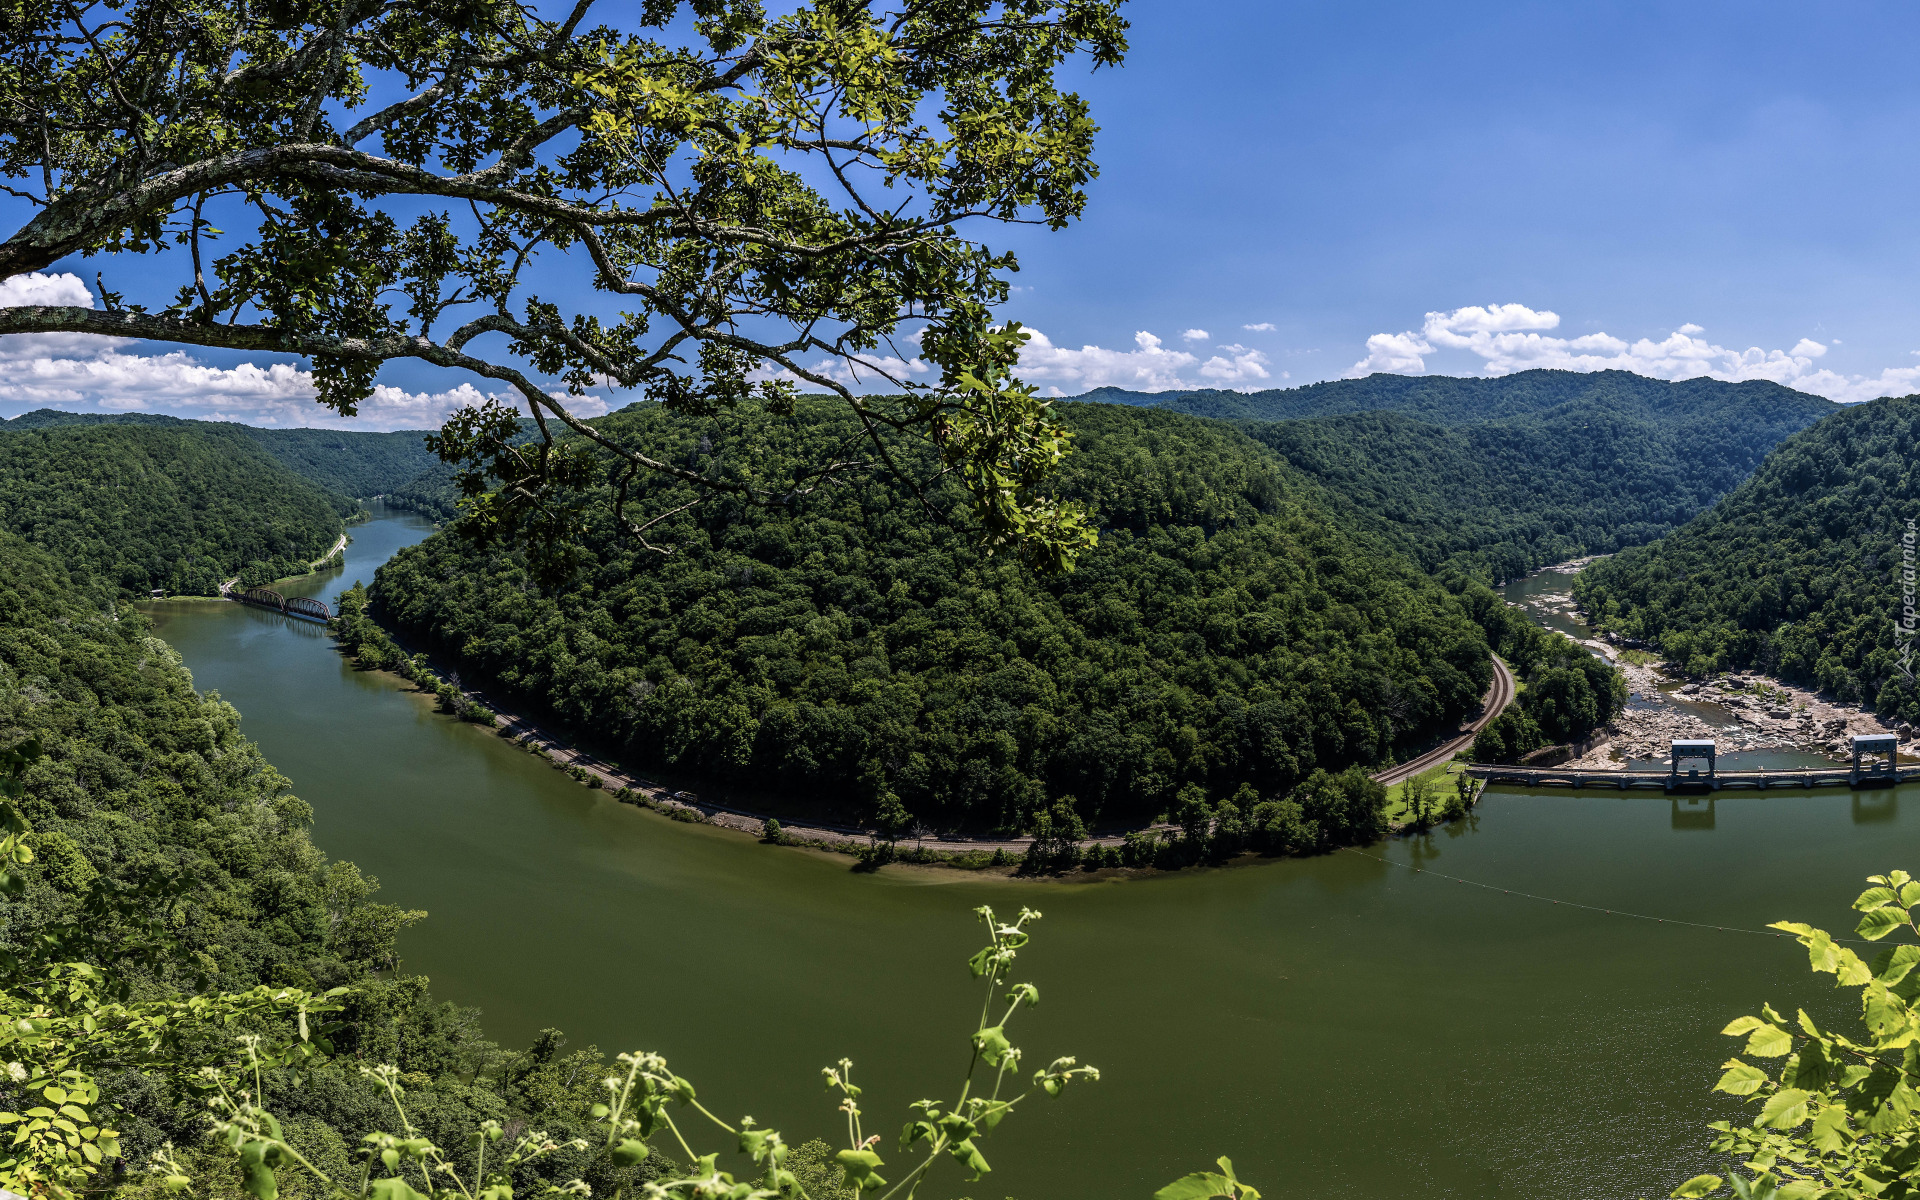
{"x":92,"y":374}
{"x":1512,"y":337}
{"x":88,"y":373}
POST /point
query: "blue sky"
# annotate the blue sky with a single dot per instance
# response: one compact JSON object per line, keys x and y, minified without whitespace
{"x":1720,"y":188}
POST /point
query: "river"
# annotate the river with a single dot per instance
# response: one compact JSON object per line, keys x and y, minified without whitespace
{"x":1339,"y":1026}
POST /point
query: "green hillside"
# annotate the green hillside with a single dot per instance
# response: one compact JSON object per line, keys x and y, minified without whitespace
{"x":345,"y":463}
{"x":361,"y":465}
{"x":1456,"y":400}
{"x":1499,"y":476}
{"x":174,"y":505}
{"x":1797,"y":572}
{"x":1227,"y":631}
{"x":149,"y":791}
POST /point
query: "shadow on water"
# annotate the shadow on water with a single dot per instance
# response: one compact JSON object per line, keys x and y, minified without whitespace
{"x":1342,"y":1027}
{"x":1876,"y":808}
{"x":1692,"y":812}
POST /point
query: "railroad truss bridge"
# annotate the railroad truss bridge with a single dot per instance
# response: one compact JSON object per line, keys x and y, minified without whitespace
{"x":292,"y":606}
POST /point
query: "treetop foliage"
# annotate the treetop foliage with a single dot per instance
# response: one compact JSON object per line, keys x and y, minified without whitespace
{"x":753,"y":193}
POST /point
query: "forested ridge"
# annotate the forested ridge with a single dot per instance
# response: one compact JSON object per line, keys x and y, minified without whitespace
{"x":1796,"y":572}
{"x":1500,"y":476}
{"x":348,"y":463}
{"x":180,"y":506}
{"x":1226,"y":631}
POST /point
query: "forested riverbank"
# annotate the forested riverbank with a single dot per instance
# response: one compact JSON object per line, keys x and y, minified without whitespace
{"x":1225,"y":632}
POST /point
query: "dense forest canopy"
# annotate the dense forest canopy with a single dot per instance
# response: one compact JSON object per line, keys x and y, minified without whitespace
{"x":343,"y":462}
{"x":1497,"y":477}
{"x":1226,"y":631}
{"x":1797,"y":572}
{"x":176,"y":505}
{"x":1466,"y":400}
{"x":149,"y":789}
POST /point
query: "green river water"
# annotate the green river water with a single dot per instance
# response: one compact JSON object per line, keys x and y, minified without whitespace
{"x":1339,"y":1026}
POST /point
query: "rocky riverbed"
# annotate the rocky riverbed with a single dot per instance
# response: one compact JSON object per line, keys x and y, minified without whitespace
{"x":1769,"y":714}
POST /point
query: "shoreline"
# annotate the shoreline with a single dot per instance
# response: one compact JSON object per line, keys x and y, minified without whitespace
{"x":996,"y":856}
{"x":966,"y":854}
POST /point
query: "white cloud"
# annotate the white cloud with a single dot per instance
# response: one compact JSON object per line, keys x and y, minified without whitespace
{"x":1262,"y":327}
{"x":1395,"y":353}
{"x":35,"y":288}
{"x":86,"y":373}
{"x":1196,"y":335}
{"x":1509,"y":338}
{"x":63,"y":289}
{"x":870,"y":373}
{"x":1238,"y":365}
{"x":1149,"y":367}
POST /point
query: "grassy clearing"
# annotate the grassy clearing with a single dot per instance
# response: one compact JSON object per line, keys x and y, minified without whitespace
{"x":1442,"y":780}
{"x":1639,"y":658}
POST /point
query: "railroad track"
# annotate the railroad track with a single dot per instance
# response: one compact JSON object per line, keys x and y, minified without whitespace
{"x":1499,"y":695}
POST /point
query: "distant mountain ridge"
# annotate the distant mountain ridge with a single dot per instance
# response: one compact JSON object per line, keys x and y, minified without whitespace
{"x":182,"y":506}
{"x":346,"y":463}
{"x":1457,"y":400}
{"x":1496,"y":477}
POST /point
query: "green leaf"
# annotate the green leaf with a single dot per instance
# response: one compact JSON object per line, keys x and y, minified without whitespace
{"x":861,"y":1167}
{"x":1769,"y":1041}
{"x":1830,"y":1133}
{"x":1874,"y":897}
{"x":1885,"y":1015}
{"x":392,"y":1188}
{"x":1850,"y":967}
{"x":630,"y":1152}
{"x":913,"y":1131}
{"x":1742,"y":1025}
{"x":1201,"y":1185}
{"x":992,"y":1044}
{"x":1741,"y":1079}
{"x":968,"y":1155}
{"x":260,"y":1182}
{"x":1784,"y":1109}
{"x":1699,"y":1185}
{"x":1895,"y":963}
{"x":1881,"y":922}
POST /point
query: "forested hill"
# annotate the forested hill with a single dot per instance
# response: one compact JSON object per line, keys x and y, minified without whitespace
{"x":145,"y":784}
{"x":1455,"y":400}
{"x":1499,"y":476}
{"x":1226,"y":631}
{"x":179,"y":505}
{"x":1796,"y":572}
{"x":345,"y":463}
